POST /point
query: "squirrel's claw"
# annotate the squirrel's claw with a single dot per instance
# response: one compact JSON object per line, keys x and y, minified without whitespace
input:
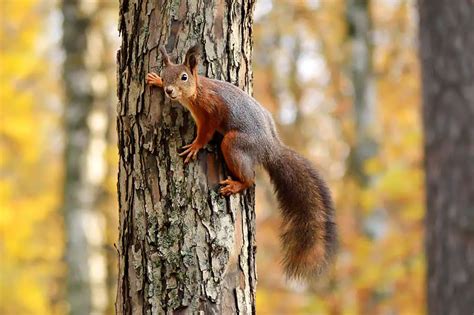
{"x":153,"y":79}
{"x":225,"y":191}
{"x":190,"y":152}
{"x":152,"y":76}
{"x":230,"y":187}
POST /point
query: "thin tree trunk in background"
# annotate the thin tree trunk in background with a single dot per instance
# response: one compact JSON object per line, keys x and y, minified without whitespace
{"x":447,"y":55}
{"x":363,"y":145}
{"x":360,"y":25}
{"x":103,"y":64}
{"x":182,"y":247}
{"x":84,"y":164}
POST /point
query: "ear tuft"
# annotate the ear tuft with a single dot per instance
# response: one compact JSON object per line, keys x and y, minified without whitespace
{"x":166,"y":58}
{"x":192,"y":57}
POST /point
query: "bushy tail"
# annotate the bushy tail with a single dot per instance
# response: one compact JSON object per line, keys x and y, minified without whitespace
{"x":309,"y":232}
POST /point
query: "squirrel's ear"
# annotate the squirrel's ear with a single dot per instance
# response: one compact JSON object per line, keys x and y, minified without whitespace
{"x":191,"y":59}
{"x":166,"y":58}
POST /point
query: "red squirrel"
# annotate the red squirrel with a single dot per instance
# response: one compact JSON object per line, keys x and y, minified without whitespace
{"x":250,"y":138}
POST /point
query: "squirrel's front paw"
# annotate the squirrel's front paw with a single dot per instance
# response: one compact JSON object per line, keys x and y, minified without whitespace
{"x":190,"y":152}
{"x":153,"y":79}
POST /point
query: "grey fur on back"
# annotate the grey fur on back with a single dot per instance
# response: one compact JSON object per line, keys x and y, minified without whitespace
{"x":250,"y":118}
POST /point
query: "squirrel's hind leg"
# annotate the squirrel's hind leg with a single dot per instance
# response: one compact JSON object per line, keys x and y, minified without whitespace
{"x":239,"y":163}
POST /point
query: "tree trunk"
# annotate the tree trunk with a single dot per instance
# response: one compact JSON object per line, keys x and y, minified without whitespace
{"x":84,"y":167}
{"x":182,"y":247}
{"x":360,"y":32}
{"x":103,"y":64}
{"x":447,"y":46}
{"x":364,"y":145}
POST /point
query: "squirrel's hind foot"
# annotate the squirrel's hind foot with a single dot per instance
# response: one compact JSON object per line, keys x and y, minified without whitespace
{"x":231,"y":187}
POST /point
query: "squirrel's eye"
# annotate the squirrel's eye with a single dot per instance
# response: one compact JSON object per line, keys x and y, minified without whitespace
{"x":184,"y":77}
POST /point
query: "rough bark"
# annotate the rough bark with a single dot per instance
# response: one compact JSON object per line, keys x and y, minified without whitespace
{"x":447,"y":59}
{"x":182,"y":247}
{"x":84,"y":163}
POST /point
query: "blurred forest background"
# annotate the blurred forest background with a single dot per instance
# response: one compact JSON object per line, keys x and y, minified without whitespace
{"x":343,"y":82}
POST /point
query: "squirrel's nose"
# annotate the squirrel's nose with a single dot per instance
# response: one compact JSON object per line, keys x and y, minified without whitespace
{"x":169,"y":90}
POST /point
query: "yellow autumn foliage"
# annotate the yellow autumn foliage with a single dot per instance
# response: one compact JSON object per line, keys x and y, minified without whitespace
{"x":31,"y":239}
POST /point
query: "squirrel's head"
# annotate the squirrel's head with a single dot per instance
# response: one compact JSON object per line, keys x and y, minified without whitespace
{"x":180,"y":80}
